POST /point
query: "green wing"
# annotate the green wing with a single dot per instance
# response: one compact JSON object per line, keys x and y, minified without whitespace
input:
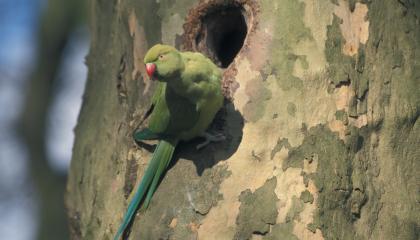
{"x":146,"y":133}
{"x":204,"y":78}
{"x":171,"y":115}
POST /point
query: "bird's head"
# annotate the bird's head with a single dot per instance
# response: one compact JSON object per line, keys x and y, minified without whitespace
{"x":163,"y":62}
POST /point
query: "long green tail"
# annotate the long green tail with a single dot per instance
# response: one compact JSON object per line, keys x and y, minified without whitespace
{"x":159,"y":162}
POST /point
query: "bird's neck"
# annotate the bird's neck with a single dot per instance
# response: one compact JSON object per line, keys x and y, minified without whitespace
{"x":183,"y":88}
{"x":177,"y":85}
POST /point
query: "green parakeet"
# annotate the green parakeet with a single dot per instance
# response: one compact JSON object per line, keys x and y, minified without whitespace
{"x":187,"y":98}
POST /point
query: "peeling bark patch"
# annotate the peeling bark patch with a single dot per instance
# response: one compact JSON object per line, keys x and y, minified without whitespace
{"x":295,"y":209}
{"x":258,"y":211}
{"x":205,"y":194}
{"x":286,"y":80}
{"x":257,"y":50}
{"x":286,"y":38}
{"x":339,"y":65}
{"x":173,"y":223}
{"x":349,"y":82}
{"x":247,"y":173}
{"x":306,"y":216}
{"x":354,"y":27}
{"x":173,"y":14}
{"x":332,"y":178}
{"x":322,"y":12}
{"x":307,"y":197}
{"x":245,"y":76}
{"x":342,"y":116}
{"x":281,"y":143}
{"x":359,"y":121}
{"x":340,"y":124}
{"x":291,"y":109}
{"x":282,"y":231}
{"x":258,"y":95}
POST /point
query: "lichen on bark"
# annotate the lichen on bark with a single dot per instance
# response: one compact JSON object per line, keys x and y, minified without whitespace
{"x":258,"y":211}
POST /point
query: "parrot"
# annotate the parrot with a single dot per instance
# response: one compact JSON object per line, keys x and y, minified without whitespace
{"x":185,"y":101}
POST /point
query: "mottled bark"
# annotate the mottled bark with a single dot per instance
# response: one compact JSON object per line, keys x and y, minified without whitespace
{"x":322,"y":131}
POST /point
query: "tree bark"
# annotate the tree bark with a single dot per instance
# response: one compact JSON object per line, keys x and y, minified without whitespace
{"x":321,"y":123}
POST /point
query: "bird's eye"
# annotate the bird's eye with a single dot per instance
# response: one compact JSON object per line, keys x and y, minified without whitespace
{"x":160,"y":56}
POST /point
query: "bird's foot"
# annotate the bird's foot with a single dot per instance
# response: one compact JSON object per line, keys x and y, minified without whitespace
{"x":218,"y":137}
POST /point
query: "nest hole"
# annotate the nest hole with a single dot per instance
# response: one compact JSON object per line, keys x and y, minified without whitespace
{"x":223,"y":33}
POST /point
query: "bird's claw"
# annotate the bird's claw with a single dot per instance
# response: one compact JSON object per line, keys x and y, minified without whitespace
{"x":218,"y":137}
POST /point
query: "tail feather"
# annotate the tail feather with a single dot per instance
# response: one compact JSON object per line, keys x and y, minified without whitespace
{"x":159,"y":162}
{"x":164,"y":162}
{"x":145,"y":134}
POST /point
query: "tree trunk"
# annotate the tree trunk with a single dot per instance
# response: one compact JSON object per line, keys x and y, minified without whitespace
{"x":321,"y":122}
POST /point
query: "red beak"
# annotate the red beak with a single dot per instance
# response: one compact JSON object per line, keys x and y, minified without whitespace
{"x":150,"y":69}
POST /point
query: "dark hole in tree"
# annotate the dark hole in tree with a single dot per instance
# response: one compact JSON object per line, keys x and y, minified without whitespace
{"x":224,"y":32}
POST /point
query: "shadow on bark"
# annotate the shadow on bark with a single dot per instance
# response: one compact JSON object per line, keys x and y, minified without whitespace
{"x":229,"y":122}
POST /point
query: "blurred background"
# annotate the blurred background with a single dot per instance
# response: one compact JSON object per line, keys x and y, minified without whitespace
{"x":43,"y":44}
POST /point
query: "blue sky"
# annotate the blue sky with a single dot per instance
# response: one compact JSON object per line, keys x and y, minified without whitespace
{"x":18,"y":23}
{"x":18,"y":28}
